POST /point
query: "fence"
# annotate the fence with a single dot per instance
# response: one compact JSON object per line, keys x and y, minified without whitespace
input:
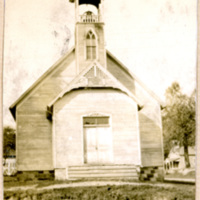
{"x":9,"y":167}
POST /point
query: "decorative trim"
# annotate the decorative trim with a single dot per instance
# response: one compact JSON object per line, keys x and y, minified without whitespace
{"x":81,"y":81}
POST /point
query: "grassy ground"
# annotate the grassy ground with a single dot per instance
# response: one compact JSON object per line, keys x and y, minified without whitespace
{"x":125,"y":192}
{"x":111,"y":192}
{"x":12,"y":181}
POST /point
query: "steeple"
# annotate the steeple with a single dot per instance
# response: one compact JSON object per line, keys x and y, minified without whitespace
{"x":89,"y":33}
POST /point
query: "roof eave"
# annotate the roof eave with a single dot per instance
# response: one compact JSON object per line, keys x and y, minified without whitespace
{"x":162,"y":104}
{"x":13,"y":111}
{"x":12,"y":108}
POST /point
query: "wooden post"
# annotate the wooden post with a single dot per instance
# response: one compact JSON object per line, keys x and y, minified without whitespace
{"x":198,"y":109}
{"x":1,"y":94}
{"x":77,"y":10}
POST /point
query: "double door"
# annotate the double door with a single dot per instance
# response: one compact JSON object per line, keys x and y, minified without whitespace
{"x":98,"y":144}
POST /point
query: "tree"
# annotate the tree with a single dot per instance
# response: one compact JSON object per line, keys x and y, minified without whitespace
{"x":179,"y":119}
{"x":8,"y":140}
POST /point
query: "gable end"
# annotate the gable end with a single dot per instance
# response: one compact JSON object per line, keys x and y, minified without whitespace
{"x":12,"y":108}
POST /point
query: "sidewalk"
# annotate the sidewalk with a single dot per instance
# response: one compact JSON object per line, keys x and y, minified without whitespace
{"x":180,"y":180}
{"x":181,"y":176}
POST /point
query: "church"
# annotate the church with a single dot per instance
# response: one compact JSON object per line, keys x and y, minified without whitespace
{"x":88,"y":116}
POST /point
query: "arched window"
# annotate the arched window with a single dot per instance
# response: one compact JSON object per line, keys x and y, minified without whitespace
{"x":91,"y":46}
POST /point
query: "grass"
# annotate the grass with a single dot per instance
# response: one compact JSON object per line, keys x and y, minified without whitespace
{"x":111,"y":192}
{"x":13,"y":182}
{"x":125,"y":192}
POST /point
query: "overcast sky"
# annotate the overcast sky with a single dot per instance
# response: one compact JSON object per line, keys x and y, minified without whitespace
{"x":155,"y":39}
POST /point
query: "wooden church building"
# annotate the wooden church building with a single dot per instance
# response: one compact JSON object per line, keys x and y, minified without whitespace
{"x":88,"y":116}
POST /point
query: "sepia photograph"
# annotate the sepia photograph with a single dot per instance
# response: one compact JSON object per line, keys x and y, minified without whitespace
{"x":99,"y":99}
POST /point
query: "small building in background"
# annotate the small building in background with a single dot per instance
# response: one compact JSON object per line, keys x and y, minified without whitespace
{"x":9,"y":164}
{"x":176,"y":159}
{"x":191,"y":154}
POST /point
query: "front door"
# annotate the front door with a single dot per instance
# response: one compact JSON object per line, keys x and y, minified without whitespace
{"x":98,"y":140}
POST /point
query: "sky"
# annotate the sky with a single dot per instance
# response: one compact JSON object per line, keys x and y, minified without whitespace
{"x":155,"y":39}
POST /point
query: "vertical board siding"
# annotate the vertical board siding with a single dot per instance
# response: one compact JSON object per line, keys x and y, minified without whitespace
{"x":34,"y":130}
{"x":69,"y":128}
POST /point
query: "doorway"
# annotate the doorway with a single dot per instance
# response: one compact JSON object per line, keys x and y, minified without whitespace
{"x":97,"y":140}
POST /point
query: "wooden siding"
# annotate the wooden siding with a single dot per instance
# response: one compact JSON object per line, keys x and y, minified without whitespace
{"x":151,"y":141}
{"x":121,"y":75}
{"x":150,"y":124}
{"x":150,"y":129}
{"x":68,"y":113}
{"x":34,"y":130}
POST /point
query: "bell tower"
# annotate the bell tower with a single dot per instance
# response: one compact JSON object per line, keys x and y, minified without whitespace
{"x":89,"y":33}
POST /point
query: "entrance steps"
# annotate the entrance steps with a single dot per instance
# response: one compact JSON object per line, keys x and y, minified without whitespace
{"x":103,"y":172}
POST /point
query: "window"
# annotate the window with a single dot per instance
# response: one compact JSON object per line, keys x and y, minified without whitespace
{"x":96,"y":121}
{"x":90,"y":46}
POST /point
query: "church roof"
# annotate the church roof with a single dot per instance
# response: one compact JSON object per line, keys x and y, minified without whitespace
{"x":136,"y":79}
{"x":116,"y":85}
{"x":13,"y":106}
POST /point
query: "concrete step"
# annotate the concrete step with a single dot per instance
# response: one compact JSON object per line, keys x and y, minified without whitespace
{"x":81,"y":167}
{"x":103,"y":171}
{"x":113,"y":176}
{"x":132,"y":171}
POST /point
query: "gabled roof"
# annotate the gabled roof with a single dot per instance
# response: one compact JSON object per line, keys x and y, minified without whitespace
{"x":116,"y":84}
{"x":94,"y":76}
{"x":13,"y":106}
{"x":133,"y":76}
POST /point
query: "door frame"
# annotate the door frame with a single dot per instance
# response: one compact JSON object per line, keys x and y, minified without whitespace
{"x":95,"y":114}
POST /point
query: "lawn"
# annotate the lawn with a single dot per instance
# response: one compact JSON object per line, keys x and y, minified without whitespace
{"x":123,"y":192}
{"x":154,"y":191}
